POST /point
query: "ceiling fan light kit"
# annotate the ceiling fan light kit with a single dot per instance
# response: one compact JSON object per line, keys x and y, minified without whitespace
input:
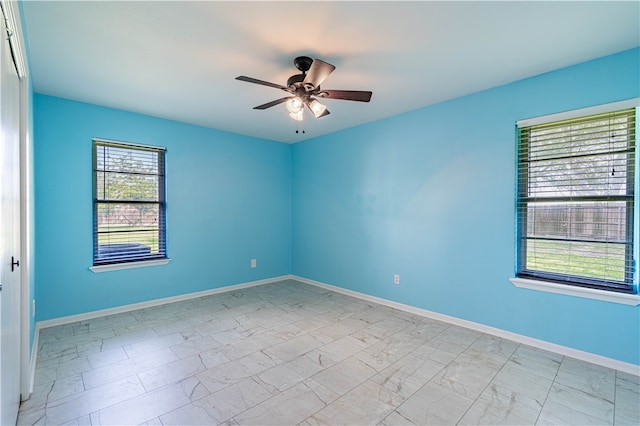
{"x":304,"y":88}
{"x":298,"y":116}
{"x":294,"y":105}
{"x":318,"y":109}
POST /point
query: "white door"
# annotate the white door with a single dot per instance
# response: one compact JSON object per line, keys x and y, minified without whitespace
{"x":9,"y":235}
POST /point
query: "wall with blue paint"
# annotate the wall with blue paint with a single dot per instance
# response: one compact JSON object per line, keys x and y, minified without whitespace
{"x":228,"y":201}
{"x":429,"y":195}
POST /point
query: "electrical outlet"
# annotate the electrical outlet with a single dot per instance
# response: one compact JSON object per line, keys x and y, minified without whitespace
{"x":253,"y":263}
{"x":396,"y":279}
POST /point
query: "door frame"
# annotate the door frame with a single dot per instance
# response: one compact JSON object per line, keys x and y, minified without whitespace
{"x":11,"y":11}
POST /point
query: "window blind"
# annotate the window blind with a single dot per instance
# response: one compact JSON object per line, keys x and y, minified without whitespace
{"x":576,"y":199}
{"x":129,"y":202}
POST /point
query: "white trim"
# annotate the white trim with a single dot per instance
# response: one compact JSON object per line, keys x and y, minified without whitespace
{"x":131,"y":265}
{"x":155,"y":302}
{"x":582,"y":112}
{"x":26,"y":231}
{"x":569,"y":290}
{"x":10,"y":9}
{"x":131,"y":144}
{"x":32,"y":363}
{"x":16,"y":40}
{"x":540,"y":344}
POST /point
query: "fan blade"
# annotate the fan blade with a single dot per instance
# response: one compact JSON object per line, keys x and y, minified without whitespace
{"x":347,"y":95}
{"x":262,"y":82}
{"x":273,"y":103}
{"x":318,"y":72}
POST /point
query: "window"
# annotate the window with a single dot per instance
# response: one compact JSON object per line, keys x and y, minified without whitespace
{"x":575,"y":200}
{"x":128,"y":203}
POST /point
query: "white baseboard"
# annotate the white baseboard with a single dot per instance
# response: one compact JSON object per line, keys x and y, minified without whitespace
{"x":31,"y":369}
{"x":540,"y":344}
{"x":150,"y":303}
{"x":519,"y":338}
{"x":32,"y":361}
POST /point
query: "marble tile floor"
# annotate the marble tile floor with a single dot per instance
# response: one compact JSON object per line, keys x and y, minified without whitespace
{"x":288,"y":353}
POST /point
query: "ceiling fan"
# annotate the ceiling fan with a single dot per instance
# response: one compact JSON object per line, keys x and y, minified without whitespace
{"x":304,"y":89}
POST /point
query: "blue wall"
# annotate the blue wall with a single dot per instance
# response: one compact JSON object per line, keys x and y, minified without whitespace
{"x":228,"y":201}
{"x":429,"y":195}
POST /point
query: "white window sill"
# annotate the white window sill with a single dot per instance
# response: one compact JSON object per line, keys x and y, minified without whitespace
{"x":588,"y":293}
{"x":131,"y":265}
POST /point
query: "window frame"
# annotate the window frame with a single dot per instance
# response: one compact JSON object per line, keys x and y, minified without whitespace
{"x":566,"y":283}
{"x":152,"y":259}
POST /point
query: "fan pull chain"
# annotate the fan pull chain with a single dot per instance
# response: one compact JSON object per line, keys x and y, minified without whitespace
{"x":298,"y":126}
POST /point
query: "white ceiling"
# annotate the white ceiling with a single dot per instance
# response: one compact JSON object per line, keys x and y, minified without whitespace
{"x":179,"y":59}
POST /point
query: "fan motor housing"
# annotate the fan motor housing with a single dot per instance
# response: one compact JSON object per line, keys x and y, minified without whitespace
{"x":298,"y":78}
